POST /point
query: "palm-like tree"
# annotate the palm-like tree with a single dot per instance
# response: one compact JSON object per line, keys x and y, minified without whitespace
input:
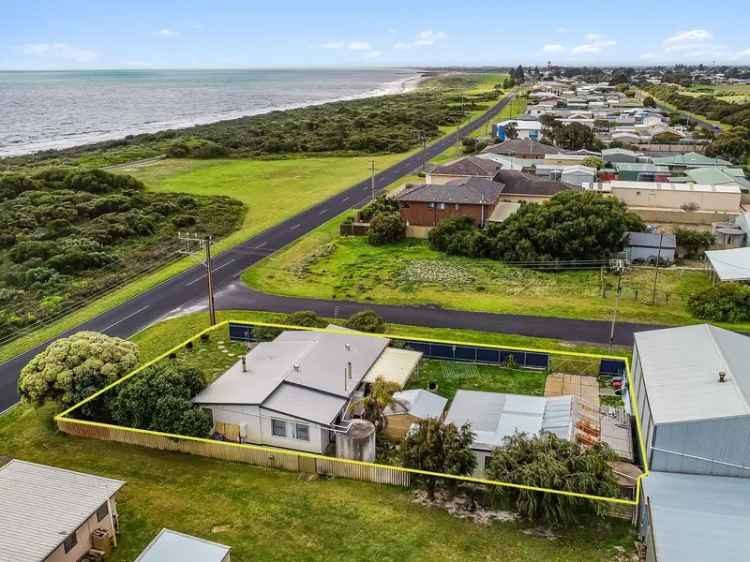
{"x":374,"y":404}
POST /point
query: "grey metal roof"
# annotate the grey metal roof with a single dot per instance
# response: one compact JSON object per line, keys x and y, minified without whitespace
{"x":697,"y":518}
{"x":41,"y":505}
{"x":651,"y":240}
{"x":419,"y":403}
{"x":301,"y":373}
{"x":305,"y":404}
{"x":521,"y":183}
{"x":522,"y":146}
{"x":495,"y":416}
{"x":470,"y":190}
{"x":730,"y":265}
{"x":680,"y":369}
{"x":171,"y":546}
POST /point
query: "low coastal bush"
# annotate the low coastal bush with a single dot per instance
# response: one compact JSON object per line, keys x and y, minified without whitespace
{"x":727,"y":302}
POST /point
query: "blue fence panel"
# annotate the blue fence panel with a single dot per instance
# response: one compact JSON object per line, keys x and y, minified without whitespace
{"x":466,"y":353}
{"x":485,"y":355}
{"x":441,"y":351}
{"x":612,"y":368}
{"x":537,"y":360}
{"x":419,"y":346}
{"x":240,"y":332}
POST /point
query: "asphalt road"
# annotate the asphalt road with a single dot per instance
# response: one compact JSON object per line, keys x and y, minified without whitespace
{"x":190,"y":286}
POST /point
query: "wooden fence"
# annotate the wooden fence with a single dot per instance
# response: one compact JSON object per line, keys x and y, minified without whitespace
{"x":284,"y":460}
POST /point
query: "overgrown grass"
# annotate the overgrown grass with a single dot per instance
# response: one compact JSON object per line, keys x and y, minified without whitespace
{"x":325,"y":265}
{"x":451,"y":376}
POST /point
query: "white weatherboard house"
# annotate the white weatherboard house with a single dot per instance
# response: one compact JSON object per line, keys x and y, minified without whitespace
{"x":494,"y":416}
{"x":295,"y":391}
{"x":692,"y":389}
{"x":49,"y":514}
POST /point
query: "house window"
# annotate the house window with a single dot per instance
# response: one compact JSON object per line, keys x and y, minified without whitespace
{"x":70,"y":542}
{"x":302,"y":431}
{"x":431,"y":205}
{"x":441,"y":206}
{"x":456,"y":206}
{"x":103,"y":511}
{"x":278,"y":428}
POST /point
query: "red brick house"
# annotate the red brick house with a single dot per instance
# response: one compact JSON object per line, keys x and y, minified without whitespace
{"x":428,"y":204}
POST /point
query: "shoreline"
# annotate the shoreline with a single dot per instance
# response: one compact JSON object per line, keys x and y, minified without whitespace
{"x":393,"y":87}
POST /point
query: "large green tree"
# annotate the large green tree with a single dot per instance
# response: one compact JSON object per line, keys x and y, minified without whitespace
{"x":158,"y":399}
{"x":437,"y":447}
{"x":547,"y":461}
{"x":73,"y":368}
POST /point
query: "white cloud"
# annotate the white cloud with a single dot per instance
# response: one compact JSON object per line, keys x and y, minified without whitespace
{"x":424,"y":38}
{"x":373,"y":54}
{"x":167,"y":33}
{"x":596,"y":43}
{"x":333,"y":45}
{"x":743,"y":54}
{"x":359,"y":45}
{"x":59,"y":51}
{"x":553,"y":48}
{"x":690,"y":36}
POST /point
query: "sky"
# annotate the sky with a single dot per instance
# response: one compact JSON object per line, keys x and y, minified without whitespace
{"x":70,"y":34}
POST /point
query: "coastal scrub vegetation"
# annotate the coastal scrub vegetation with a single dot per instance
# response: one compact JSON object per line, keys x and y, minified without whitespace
{"x":68,"y":234}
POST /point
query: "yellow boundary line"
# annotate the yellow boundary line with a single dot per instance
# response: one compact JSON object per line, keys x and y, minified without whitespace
{"x":63,"y":416}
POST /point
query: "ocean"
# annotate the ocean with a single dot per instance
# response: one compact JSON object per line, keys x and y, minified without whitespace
{"x":42,"y":110}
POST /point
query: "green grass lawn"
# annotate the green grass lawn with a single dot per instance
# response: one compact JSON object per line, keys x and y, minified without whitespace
{"x":451,"y":376}
{"x":325,"y":265}
{"x":271,"y":515}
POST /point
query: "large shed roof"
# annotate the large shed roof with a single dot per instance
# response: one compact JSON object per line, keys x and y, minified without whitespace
{"x":40,"y":506}
{"x":680,"y":369}
{"x":494,"y":416}
{"x":730,"y":265}
{"x":697,"y":518}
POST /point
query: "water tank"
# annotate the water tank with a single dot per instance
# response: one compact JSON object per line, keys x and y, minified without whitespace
{"x":358,"y":443}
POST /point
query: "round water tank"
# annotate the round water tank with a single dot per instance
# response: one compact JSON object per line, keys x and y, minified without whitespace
{"x":358,"y":443}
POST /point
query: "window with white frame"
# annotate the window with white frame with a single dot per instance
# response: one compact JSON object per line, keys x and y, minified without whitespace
{"x":441,"y":206}
{"x":278,"y":428}
{"x":302,"y":431}
{"x":431,"y":205}
{"x":102,"y":512}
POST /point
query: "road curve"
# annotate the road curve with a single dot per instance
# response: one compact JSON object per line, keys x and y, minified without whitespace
{"x":189,"y":286}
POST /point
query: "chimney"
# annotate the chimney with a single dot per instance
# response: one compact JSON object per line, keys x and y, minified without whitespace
{"x":244,"y":364}
{"x":722,"y":376}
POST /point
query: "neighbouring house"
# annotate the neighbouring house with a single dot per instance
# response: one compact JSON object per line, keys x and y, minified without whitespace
{"x":525,"y":129}
{"x":620,"y":155}
{"x":522,"y":187}
{"x":719,"y":176}
{"x":511,"y":162}
{"x":641,"y":171}
{"x":694,"y":518}
{"x":577,"y":175}
{"x":692,"y":387}
{"x":522,"y":148}
{"x":494,"y":417}
{"x":690,"y":160}
{"x":667,"y":195}
{"x":295,"y":391}
{"x":425,"y":205}
{"x":730,"y":265}
{"x":565,"y":159}
{"x":649,"y":247}
{"x":412,"y":406}
{"x":171,"y":546}
{"x":55,"y":515}
{"x":469,"y":166}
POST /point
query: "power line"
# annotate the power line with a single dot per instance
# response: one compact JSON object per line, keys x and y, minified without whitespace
{"x":206,"y":241}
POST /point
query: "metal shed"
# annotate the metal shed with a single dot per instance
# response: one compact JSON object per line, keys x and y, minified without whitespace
{"x":730,"y":265}
{"x":171,"y":546}
{"x":691,"y":386}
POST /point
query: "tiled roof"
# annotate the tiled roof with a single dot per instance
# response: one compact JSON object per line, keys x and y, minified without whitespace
{"x":470,"y":190}
{"x":522,"y":146}
{"x":520,"y":183}
{"x":469,"y":166}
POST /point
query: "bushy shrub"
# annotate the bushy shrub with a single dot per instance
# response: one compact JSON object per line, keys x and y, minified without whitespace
{"x":366,"y":321}
{"x":159,"y":399}
{"x":72,"y":368}
{"x":693,"y":242}
{"x":305,"y":318}
{"x":726,"y":302}
{"x":386,"y":228}
{"x":381,"y":204}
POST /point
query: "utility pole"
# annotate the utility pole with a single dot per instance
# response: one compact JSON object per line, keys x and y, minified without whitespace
{"x":206,"y":242}
{"x":619,"y":268}
{"x":656,"y":269}
{"x":372,"y":178}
